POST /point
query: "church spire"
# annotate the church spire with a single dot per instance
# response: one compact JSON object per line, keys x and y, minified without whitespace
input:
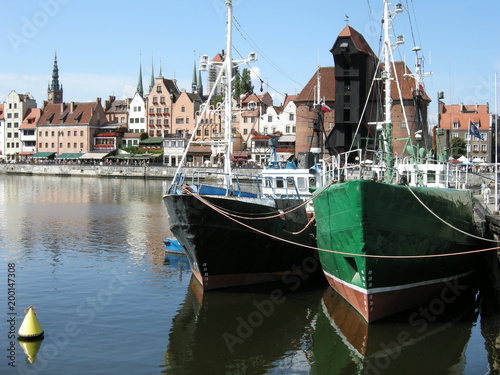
{"x":152,"y":83}
{"x":55,"y":75}
{"x":194,"y":83}
{"x":140,"y":90}
{"x":55,"y":90}
{"x":199,"y":86}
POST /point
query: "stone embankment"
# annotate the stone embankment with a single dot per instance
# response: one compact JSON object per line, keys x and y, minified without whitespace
{"x":106,"y":170}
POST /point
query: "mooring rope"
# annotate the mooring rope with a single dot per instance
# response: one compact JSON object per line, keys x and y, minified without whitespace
{"x":336,"y":251}
{"x":272,"y":216}
{"x":445,"y":222}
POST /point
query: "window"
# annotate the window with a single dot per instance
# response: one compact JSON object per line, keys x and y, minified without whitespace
{"x":485,"y":136}
{"x":155,"y":99}
{"x":151,"y":110}
{"x":81,"y":133}
{"x":60,"y":145}
{"x":74,"y":145}
{"x":265,"y":129}
{"x":75,"y":133}
{"x":69,"y":145}
{"x":467,"y":137}
{"x":158,"y":88}
{"x":456,"y":125}
{"x":330,"y":125}
{"x":454,"y":135}
{"x":403,"y":125}
{"x":245,"y":131}
{"x":158,"y":110}
{"x":291,"y":117}
{"x":162,"y":99}
{"x":207,"y":132}
{"x":287,"y":129}
{"x":52,"y":133}
{"x":179,"y":121}
{"x":484,"y":148}
{"x":475,"y":148}
{"x":158,"y":121}
{"x":269,"y":118}
{"x":183,"y":109}
{"x":52,"y":145}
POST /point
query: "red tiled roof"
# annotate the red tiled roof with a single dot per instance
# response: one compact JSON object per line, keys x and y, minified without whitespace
{"x":54,"y":114}
{"x":31,"y":118}
{"x":358,"y":39}
{"x":463,"y":115}
{"x":327,"y":79}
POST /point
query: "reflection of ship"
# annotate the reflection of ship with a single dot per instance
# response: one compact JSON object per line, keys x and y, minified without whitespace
{"x":490,"y":325}
{"x":224,"y":332}
{"x":428,"y":340}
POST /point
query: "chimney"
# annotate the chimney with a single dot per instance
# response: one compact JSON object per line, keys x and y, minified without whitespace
{"x":71,"y":107}
{"x":62,"y":107}
{"x":98,"y":101}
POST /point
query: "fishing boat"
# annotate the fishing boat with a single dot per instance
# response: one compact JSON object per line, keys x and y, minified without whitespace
{"x":397,"y":235}
{"x":241,"y":230}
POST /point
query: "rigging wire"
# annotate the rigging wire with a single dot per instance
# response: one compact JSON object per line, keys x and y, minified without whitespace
{"x":252,"y":43}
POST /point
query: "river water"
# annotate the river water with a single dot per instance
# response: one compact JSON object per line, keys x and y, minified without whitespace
{"x":88,"y":254}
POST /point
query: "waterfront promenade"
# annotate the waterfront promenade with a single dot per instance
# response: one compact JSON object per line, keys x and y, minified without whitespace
{"x":147,"y":171}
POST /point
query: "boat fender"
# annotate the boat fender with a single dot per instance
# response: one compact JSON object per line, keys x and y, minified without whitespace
{"x":403,"y":180}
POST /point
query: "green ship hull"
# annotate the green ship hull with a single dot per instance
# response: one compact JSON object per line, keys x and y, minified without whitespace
{"x":381,"y":244}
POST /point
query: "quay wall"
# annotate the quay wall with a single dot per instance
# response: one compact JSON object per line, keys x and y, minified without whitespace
{"x":159,"y":171}
{"x":112,"y":171}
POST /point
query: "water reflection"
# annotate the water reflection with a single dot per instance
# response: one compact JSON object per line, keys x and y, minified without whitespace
{"x":240,"y":333}
{"x":415,"y":342}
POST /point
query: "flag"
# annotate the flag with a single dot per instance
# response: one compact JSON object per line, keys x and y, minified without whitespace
{"x":474,"y":131}
{"x":325,"y":108}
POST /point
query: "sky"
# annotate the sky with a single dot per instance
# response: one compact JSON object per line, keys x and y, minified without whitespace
{"x":101,"y":44}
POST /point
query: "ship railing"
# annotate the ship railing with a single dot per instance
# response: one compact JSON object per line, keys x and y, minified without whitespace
{"x":242,"y":185}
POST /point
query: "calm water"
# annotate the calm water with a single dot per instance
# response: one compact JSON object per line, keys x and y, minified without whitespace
{"x":88,"y":254}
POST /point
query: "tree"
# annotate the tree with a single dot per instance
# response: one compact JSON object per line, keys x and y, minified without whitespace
{"x":458,"y":147}
{"x":242,"y":83}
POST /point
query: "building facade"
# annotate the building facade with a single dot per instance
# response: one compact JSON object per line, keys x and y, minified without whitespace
{"x":459,"y":121}
{"x":15,"y":110}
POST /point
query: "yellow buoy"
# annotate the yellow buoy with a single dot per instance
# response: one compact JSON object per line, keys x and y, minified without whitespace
{"x":30,"y":328}
{"x":30,"y":348}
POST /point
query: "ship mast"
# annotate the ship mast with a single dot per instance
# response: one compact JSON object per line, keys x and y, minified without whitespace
{"x":228,"y":65}
{"x":387,"y":78}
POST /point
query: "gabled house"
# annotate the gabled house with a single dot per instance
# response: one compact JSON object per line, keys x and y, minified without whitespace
{"x":461,"y":121}
{"x":15,"y":109}
{"x":28,"y":132}
{"x":72,"y":127}
{"x":160,"y":101}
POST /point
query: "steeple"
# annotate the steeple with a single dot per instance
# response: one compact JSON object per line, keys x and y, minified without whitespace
{"x":55,"y":90}
{"x":194,"y":83}
{"x":152,"y":83}
{"x":140,"y":91}
{"x":199,"y":85}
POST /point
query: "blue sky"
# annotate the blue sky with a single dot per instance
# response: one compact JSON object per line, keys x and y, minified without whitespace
{"x":100,"y":44}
